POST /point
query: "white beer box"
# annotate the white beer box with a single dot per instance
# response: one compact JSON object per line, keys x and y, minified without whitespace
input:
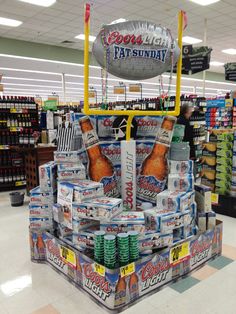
{"x":180,"y":167}
{"x":39,"y":198}
{"x":64,"y":231}
{"x":148,"y":126}
{"x":64,"y":198}
{"x":151,"y":241}
{"x":87,"y":189}
{"x":102,"y":208}
{"x":43,"y":223}
{"x":73,"y":156}
{"x":84,"y":239}
{"x":83,"y":224}
{"x":164,"y":223}
{"x":104,"y":124}
{"x":57,"y":212}
{"x":73,"y":173}
{"x":180,"y":183}
{"x":69,"y":166}
{"x":124,"y":222}
{"x":174,"y":201}
{"x":40,"y":211}
{"x":47,"y":177}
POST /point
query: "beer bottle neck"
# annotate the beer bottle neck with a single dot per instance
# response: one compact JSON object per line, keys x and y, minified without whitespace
{"x":160,"y":149}
{"x":94,"y":152}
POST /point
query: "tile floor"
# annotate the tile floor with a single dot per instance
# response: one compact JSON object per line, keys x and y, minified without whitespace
{"x":27,"y":288}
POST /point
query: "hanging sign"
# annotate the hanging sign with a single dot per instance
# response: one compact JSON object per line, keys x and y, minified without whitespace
{"x":135,"y":50}
{"x":1,"y":88}
{"x":119,"y":90}
{"x":50,"y":104}
{"x":135,"y":88}
{"x":92,"y":94}
{"x":195,"y":59}
{"x":230,"y":71}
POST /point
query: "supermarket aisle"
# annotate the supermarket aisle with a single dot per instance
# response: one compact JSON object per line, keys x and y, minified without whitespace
{"x":33,"y":288}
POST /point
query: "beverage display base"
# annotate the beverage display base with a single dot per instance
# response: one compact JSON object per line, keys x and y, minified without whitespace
{"x":117,"y":289}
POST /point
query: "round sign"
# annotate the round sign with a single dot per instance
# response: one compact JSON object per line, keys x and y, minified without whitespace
{"x":135,"y":50}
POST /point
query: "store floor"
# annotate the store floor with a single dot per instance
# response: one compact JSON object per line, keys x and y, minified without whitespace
{"x":26,"y":287}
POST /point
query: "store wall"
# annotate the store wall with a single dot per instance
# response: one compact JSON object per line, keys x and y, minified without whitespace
{"x":43,"y":51}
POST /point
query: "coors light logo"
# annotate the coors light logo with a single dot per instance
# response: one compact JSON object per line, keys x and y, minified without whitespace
{"x":155,"y":274}
{"x":200,"y":251}
{"x":96,"y":283}
{"x":53,"y":254}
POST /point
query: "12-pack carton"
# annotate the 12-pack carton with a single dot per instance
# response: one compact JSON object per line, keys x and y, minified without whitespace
{"x":47,"y":177}
{"x":151,"y":241}
{"x":180,"y":183}
{"x":101,"y":208}
{"x":174,"y":201}
{"x":180,"y":167}
{"x":203,"y":197}
{"x":39,"y":198}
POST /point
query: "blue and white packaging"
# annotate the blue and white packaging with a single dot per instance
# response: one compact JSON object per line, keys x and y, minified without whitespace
{"x":39,"y":198}
{"x":104,"y":126}
{"x":101,"y":208}
{"x":87,"y":189}
{"x":180,"y":167}
{"x":83,"y":224}
{"x":36,"y":211}
{"x":151,"y":241}
{"x":43,"y":223}
{"x":47,"y":177}
{"x":57,"y":211}
{"x":71,"y":173}
{"x":68,"y":157}
{"x":174,"y":201}
{"x":124,"y":222}
{"x":203,"y":197}
{"x":180,"y":183}
{"x":84,"y":239}
{"x":148,"y":126}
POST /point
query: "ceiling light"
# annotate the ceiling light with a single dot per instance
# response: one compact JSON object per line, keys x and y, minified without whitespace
{"x":118,"y":21}
{"x":191,"y":40}
{"x":82,"y":37}
{"x":9,"y":22}
{"x":42,"y":3}
{"x":230,"y":51}
{"x":204,"y":2}
{"x":216,"y":63}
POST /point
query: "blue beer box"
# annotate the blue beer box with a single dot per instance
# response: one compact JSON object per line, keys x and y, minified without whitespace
{"x":41,"y":198}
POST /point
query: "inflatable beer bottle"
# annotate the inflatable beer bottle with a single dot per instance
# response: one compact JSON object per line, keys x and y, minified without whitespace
{"x":154,"y":170}
{"x":100,"y":168}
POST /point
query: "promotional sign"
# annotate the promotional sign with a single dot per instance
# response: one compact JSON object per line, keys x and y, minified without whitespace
{"x":92,"y":94}
{"x":195,"y":59}
{"x":135,"y":88}
{"x":230,"y":71}
{"x":50,"y":104}
{"x":119,"y":90}
{"x":1,"y":88}
{"x":135,"y":50}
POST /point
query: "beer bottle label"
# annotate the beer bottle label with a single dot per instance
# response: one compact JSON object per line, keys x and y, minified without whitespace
{"x":148,"y":187}
{"x":110,"y":186}
{"x":90,"y":138}
{"x":164,"y":136}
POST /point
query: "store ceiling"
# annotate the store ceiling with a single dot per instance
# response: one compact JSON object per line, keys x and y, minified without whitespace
{"x":64,"y":20}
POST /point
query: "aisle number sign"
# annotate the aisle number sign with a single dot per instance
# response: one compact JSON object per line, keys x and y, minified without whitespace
{"x":135,"y":88}
{"x":100,"y":269}
{"x":127,"y":270}
{"x":68,"y":256}
{"x":119,"y":90}
{"x":179,"y":253}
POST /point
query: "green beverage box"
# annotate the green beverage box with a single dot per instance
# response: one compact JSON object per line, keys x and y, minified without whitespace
{"x":223,"y":176}
{"x":229,"y":137}
{"x":223,"y":184}
{"x":224,"y":161}
{"x":225,"y":169}
{"x":224,"y":153}
{"x":224,"y":145}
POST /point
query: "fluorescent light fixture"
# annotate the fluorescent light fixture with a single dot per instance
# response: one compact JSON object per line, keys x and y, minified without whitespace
{"x":82,"y":37}
{"x":42,"y":3}
{"x":118,"y":21}
{"x":230,"y":51}
{"x":9,"y":22}
{"x":216,"y":63}
{"x":204,"y":2}
{"x":191,"y":40}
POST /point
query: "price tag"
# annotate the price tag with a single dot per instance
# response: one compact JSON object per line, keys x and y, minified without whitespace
{"x":179,"y":253}
{"x":100,"y":269}
{"x":13,"y":110}
{"x":68,"y":256}
{"x":127,"y":270}
{"x":13,"y":129}
{"x":214,"y":198}
{"x":20,"y":183}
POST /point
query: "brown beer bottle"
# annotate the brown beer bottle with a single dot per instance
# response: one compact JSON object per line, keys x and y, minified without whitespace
{"x":100,"y":168}
{"x":120,"y":293}
{"x":154,"y":170}
{"x":133,"y":286}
